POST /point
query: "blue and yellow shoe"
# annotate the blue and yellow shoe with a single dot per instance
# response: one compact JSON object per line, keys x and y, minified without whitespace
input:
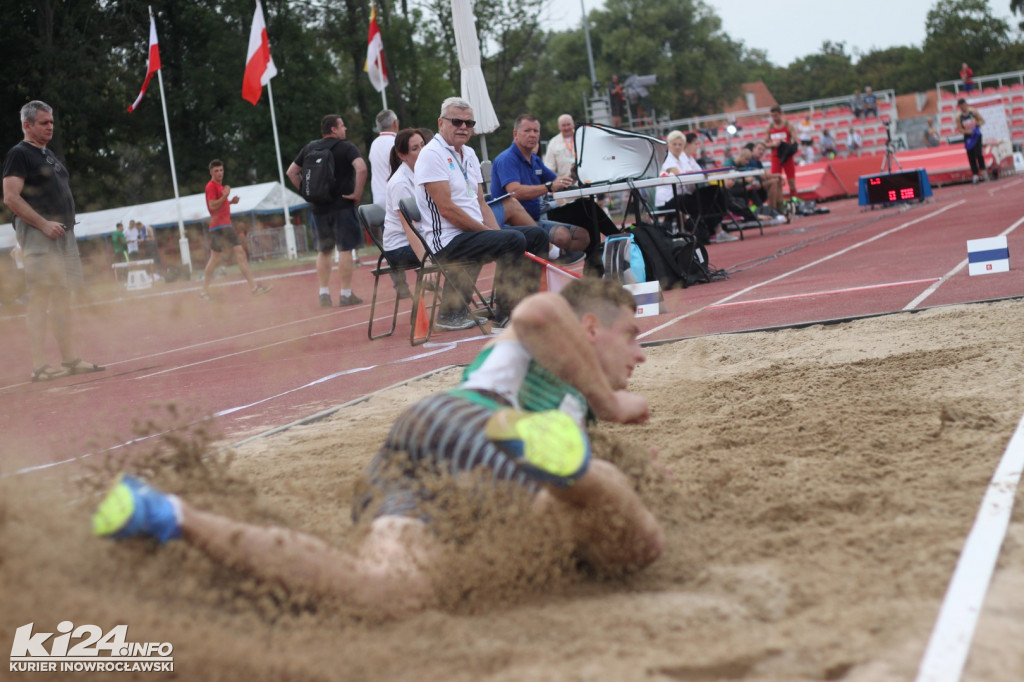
{"x":549,"y":444}
{"x":134,"y":509}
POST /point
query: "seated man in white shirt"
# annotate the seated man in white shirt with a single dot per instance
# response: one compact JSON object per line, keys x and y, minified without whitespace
{"x":460,"y":227}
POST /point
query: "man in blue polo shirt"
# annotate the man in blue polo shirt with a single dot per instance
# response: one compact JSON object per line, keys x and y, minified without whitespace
{"x":520,"y":172}
{"x":518,"y":169}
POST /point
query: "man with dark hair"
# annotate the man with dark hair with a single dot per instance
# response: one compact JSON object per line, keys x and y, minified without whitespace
{"x":38,"y":193}
{"x":968,"y":124}
{"x":515,"y":425}
{"x":336,"y":221}
{"x":519,"y":172}
{"x":781,"y":138}
{"x":222,"y":233}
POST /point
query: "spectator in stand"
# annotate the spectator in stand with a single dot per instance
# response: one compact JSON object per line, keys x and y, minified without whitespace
{"x":132,"y":235}
{"x":561,"y":153}
{"x":855,"y":142}
{"x":120,"y":244}
{"x":968,"y":124}
{"x":749,"y":192}
{"x":857,"y":104}
{"x":618,"y":101}
{"x":772,"y":182}
{"x":967,"y":76}
{"x":690,"y":199}
{"x":828,"y":145}
{"x":805,"y":131}
{"x":870,"y":103}
{"x":781,"y":137}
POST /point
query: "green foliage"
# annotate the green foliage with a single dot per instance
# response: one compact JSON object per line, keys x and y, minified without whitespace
{"x":87,"y":59}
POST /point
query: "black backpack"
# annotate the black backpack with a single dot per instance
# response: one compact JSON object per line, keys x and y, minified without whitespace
{"x":317,"y":182}
{"x":671,"y":260}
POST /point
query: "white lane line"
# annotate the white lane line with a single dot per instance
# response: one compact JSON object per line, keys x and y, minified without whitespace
{"x":960,"y":266}
{"x":950,"y":642}
{"x":830,"y":292}
{"x":829,"y":257}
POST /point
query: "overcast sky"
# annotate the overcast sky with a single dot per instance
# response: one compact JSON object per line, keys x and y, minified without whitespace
{"x":790,"y":29}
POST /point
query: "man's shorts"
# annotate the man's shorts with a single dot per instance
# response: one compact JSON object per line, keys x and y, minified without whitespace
{"x":223,"y":238}
{"x":338,"y":229}
{"x":789,"y":166}
{"x":451,"y":434}
{"x":49,"y":262}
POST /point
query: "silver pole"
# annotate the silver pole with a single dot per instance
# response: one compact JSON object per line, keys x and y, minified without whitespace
{"x":289,"y":230}
{"x":590,"y":50}
{"x":186,"y":255}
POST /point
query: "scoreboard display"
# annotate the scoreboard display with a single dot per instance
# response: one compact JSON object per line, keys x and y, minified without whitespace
{"x":891,"y":188}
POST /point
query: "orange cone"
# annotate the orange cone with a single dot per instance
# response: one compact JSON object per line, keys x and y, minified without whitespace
{"x":421,"y":326}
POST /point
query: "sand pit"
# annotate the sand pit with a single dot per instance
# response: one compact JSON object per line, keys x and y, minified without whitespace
{"x":822,"y":483}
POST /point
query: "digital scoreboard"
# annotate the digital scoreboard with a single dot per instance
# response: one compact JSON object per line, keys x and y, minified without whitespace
{"x":891,"y":188}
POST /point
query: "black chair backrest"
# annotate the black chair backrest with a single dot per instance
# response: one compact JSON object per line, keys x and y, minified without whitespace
{"x":372,"y":218}
{"x":410,"y":209}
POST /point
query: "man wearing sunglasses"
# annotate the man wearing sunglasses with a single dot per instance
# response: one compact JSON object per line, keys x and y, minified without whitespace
{"x":460,"y":227}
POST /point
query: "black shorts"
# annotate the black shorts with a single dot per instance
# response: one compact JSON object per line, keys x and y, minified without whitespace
{"x":223,"y":238}
{"x":338,"y":229}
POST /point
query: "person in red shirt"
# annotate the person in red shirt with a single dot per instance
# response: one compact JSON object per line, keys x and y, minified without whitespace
{"x":967,"y":76}
{"x":222,"y":233}
{"x":781,"y":139}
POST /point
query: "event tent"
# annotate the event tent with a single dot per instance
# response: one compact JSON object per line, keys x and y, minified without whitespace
{"x":261,"y":199}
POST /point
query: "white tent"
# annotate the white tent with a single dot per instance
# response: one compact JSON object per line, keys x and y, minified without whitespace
{"x":258,"y":199}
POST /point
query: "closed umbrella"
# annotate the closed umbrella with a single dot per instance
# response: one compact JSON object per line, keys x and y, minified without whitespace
{"x":474,"y":87}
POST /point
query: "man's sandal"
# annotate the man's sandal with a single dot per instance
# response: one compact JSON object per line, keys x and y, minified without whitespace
{"x":79,"y":366}
{"x":46,"y":373}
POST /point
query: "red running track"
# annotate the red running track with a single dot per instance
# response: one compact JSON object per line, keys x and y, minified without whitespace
{"x":259,"y":363}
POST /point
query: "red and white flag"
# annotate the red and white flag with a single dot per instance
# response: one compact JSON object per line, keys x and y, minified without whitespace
{"x":259,"y":65}
{"x":152,"y":63}
{"x":374,"y":66}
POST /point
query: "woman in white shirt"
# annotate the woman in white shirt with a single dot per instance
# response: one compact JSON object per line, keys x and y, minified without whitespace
{"x":401,"y":246}
{"x":701,"y":206}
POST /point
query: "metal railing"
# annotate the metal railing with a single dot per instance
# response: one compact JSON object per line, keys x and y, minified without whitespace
{"x":999,"y":79}
{"x":270,"y":243}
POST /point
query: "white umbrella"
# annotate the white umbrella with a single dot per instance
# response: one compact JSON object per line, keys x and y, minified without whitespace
{"x":474,"y":87}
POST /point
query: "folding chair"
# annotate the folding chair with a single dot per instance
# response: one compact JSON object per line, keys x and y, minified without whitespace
{"x":428,"y":276}
{"x":483,"y":311}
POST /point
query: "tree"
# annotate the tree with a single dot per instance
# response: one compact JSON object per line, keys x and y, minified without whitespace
{"x":958,"y":31}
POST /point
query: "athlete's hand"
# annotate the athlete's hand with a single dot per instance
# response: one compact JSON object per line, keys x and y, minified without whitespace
{"x":625,"y":407}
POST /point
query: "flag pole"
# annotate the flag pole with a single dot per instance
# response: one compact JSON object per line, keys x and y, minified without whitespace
{"x":289,"y":229}
{"x":183,"y":247}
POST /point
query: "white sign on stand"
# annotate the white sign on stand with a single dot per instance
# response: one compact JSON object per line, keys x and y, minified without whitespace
{"x":986,"y":256}
{"x":649,"y":299}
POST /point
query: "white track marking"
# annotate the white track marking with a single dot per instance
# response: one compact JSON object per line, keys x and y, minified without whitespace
{"x":950,"y":642}
{"x":794,"y":271}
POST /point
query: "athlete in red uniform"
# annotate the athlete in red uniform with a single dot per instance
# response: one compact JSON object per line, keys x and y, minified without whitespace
{"x":781,"y":131}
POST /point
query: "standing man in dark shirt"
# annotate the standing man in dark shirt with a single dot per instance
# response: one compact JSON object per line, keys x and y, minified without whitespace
{"x":336,"y":222}
{"x":37,"y":191}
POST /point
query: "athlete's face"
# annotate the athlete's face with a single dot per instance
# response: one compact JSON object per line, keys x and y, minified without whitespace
{"x":618,"y":348}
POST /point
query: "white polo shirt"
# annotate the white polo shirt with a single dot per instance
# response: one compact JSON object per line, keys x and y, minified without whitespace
{"x":438,"y":161}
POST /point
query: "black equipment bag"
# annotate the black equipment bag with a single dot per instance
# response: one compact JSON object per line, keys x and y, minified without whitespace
{"x":672,"y":260}
{"x":317,"y":181}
